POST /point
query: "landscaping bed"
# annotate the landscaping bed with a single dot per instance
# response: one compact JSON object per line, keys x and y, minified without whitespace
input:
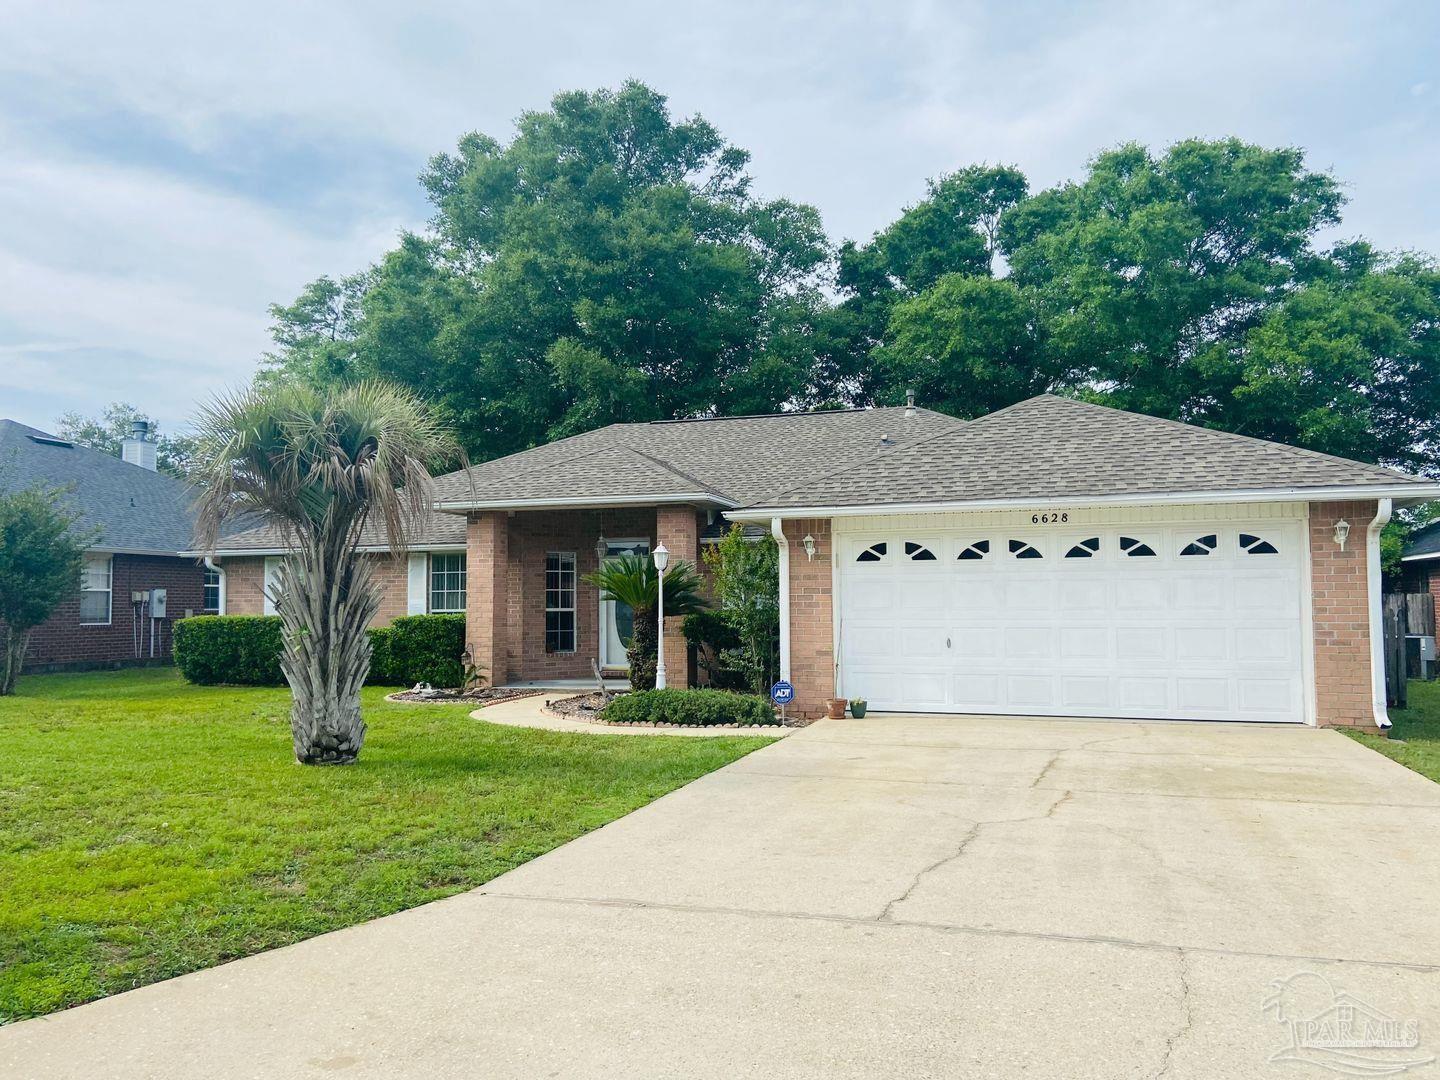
{"x":588,"y":708}
{"x":490,"y":695}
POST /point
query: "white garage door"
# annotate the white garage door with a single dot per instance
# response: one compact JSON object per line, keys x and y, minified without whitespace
{"x":1198,"y":621}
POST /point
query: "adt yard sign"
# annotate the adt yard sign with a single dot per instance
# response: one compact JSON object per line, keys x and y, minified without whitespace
{"x":782,"y":693}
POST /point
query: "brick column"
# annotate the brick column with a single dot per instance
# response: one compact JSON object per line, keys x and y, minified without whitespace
{"x":487,"y":565}
{"x":812,"y":641}
{"x":678,"y":528}
{"x":1341,"y":615}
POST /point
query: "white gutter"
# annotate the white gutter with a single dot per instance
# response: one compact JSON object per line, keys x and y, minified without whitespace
{"x":583,"y":502}
{"x":1377,"y":611}
{"x":1407,"y":493}
{"x":778,"y":531}
{"x":1420,"y":558}
{"x":367,"y":549}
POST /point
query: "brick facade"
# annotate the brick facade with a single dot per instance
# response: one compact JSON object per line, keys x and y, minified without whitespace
{"x":63,"y":642}
{"x":812,"y":641}
{"x":678,"y":528}
{"x":1344,"y":687}
{"x":245,"y":585}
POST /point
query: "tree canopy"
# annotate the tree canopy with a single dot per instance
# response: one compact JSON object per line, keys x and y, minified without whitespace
{"x":611,"y":263}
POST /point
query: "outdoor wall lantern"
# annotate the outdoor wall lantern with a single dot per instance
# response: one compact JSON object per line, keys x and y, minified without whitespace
{"x":1342,"y":531}
{"x":809,"y":545}
{"x":602,"y":548}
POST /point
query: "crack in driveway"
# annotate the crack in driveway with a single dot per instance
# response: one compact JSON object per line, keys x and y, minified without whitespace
{"x":887,"y":914}
{"x":1167,"y":1061}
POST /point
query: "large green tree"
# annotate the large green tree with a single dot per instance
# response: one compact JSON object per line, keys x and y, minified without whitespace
{"x":41,"y":554}
{"x":608,"y":263}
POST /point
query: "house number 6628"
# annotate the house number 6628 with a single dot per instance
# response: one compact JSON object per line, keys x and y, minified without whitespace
{"x":1049,"y":519}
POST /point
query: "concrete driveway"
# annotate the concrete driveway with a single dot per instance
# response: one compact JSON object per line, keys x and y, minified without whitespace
{"x":898,"y":896}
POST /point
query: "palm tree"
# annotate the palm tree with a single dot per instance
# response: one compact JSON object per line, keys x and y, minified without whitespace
{"x":321,"y":465}
{"x":633,"y":580}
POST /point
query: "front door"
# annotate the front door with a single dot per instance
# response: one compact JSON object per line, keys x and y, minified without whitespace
{"x":617,"y":621}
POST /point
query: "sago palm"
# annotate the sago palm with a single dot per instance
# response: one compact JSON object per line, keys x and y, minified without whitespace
{"x":633,"y":580}
{"x":321,"y":465}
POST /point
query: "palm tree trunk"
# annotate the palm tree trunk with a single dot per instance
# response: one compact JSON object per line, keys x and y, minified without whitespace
{"x":644,"y":639}
{"x":16,"y":642}
{"x":326,"y":601}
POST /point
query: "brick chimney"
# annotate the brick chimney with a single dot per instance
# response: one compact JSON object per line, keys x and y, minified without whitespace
{"x":139,"y":448}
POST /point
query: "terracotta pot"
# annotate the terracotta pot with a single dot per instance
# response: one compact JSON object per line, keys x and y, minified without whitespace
{"x":835,"y":708}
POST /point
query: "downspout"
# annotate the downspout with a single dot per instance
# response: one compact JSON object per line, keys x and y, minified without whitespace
{"x":777,"y":530}
{"x":1377,"y":612}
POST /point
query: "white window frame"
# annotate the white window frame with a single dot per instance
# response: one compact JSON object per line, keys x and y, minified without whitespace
{"x":219,"y":608}
{"x":574,"y":598}
{"x":430,"y":574}
{"x":109,"y":589}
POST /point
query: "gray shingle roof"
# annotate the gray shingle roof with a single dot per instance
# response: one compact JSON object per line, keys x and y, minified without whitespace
{"x":136,"y":510}
{"x":735,"y":460}
{"x":1053,"y":448}
{"x":1424,"y":542}
{"x":433,"y":529}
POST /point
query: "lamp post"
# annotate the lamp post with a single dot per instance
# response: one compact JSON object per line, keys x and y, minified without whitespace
{"x":661,"y":555}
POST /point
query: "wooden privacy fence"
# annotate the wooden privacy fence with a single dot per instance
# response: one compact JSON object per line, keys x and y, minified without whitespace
{"x":1407,"y":617}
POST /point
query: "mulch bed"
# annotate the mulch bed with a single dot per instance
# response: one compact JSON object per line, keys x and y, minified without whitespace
{"x":488,"y":696}
{"x":586,"y":708}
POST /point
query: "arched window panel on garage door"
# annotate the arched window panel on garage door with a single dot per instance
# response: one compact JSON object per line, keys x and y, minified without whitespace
{"x":974,"y":551}
{"x":874,"y":553}
{"x":1084,"y":549}
{"x":1023,"y":549}
{"x":1135,"y":547}
{"x":1201,"y":545}
{"x":918,"y":552}
{"x":1257,"y":545}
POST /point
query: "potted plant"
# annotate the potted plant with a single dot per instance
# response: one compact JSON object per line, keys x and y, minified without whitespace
{"x":857,"y":707}
{"x":835,"y":708}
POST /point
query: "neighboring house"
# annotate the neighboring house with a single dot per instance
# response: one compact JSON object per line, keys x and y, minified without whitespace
{"x":143,"y":522}
{"x":1053,"y":558}
{"x":1420,"y":561}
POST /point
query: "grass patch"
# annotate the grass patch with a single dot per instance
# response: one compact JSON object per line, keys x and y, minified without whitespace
{"x":149,"y":827}
{"x":1415,"y":737}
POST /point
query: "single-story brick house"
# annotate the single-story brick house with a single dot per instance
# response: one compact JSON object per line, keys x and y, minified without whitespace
{"x":1053,"y":558}
{"x":115,"y":615}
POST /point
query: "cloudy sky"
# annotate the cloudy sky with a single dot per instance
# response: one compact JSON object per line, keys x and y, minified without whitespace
{"x":168,"y":170}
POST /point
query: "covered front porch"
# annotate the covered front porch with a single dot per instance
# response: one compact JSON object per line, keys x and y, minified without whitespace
{"x":532,"y":618}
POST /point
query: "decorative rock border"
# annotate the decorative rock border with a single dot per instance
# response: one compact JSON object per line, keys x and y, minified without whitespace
{"x":398,"y":698}
{"x":530,"y":713}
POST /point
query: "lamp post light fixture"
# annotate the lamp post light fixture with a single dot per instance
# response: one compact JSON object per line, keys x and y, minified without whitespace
{"x":1342,"y":531}
{"x":661,"y":555}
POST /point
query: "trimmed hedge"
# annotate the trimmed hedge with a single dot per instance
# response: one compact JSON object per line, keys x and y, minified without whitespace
{"x":426,"y":648}
{"x":244,"y":650}
{"x":241,"y":650}
{"x":697,"y":708}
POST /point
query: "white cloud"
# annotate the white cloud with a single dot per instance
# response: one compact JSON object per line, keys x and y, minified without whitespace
{"x":112,"y":243}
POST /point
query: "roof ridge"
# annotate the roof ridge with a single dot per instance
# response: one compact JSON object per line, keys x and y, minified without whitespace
{"x":687,"y":477}
{"x":957,"y":425}
{"x":1233,"y":436}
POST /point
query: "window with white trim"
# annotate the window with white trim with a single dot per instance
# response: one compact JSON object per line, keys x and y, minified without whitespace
{"x":560,"y":602}
{"x":95,"y":583}
{"x":447,"y":581}
{"x":210,"y":602}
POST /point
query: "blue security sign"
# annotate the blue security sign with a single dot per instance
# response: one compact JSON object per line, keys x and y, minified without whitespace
{"x":782,"y":693}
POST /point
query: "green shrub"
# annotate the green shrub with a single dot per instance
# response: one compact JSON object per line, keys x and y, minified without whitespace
{"x":715,"y":642}
{"x":426,"y":648}
{"x":698,"y":708}
{"x":241,"y":650}
{"x":382,"y":658}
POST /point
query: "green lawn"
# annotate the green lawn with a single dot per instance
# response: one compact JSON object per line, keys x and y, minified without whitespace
{"x":149,"y":828}
{"x":1415,"y":738}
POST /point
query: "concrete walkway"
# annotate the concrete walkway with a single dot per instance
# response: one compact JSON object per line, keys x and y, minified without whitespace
{"x":893,"y":897}
{"x":531,"y":712}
